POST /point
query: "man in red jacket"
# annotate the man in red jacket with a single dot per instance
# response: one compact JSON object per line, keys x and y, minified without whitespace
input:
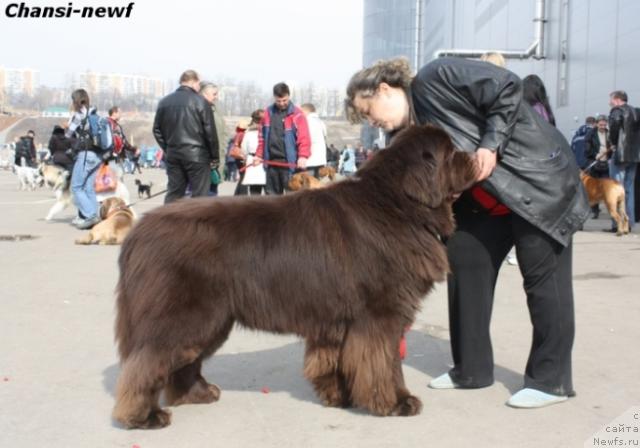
{"x":284,"y":143}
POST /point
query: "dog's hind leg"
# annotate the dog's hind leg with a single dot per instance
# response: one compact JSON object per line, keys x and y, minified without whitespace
{"x":623,"y":222}
{"x":616,"y":208}
{"x":186,"y":384}
{"x":369,"y":361}
{"x":143,"y":376}
{"x":321,"y":368}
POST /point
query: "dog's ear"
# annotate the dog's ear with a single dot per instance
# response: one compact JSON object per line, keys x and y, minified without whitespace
{"x":463,"y":171}
{"x":421,"y":181}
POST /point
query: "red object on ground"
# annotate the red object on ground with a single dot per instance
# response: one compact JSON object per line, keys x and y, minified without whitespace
{"x":265,"y":390}
{"x":135,"y":446}
{"x":5,"y":379}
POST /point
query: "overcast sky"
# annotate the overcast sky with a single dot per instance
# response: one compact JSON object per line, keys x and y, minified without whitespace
{"x":264,"y":40}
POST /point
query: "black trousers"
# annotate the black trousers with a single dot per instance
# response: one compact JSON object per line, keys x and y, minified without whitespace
{"x":476,"y":252}
{"x":277,"y":180}
{"x":181,"y":173}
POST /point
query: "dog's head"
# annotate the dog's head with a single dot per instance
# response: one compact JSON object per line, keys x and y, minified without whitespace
{"x":423,"y":160}
{"x":303,"y":181}
{"x":327,"y":171}
{"x":110,"y":206}
{"x":137,"y":182}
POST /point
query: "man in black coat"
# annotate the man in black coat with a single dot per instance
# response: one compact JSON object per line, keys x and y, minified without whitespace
{"x":25,"y":148}
{"x":624,"y":137}
{"x":185,"y":130}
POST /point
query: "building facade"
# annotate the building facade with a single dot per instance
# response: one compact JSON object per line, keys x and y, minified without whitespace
{"x":124,"y":85}
{"x":589,"y":45}
{"x":22,"y":81}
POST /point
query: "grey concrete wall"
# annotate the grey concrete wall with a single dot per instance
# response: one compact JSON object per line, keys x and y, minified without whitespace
{"x":602,"y":39}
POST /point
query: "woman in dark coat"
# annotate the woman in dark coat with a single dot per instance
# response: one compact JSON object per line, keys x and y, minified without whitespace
{"x":60,"y":149}
{"x":528,"y":195}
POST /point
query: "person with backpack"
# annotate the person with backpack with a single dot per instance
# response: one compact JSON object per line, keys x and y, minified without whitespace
{"x":25,"y":148}
{"x":624,"y":139}
{"x":88,"y":160}
{"x":578,"y":142}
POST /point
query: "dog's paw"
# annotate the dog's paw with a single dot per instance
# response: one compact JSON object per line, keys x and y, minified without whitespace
{"x":335,"y":400}
{"x":408,"y":406}
{"x":157,"y":418}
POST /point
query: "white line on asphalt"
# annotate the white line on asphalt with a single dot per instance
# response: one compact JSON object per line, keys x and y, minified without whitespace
{"x":43,"y":201}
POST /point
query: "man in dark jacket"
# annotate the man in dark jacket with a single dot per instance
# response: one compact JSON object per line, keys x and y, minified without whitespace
{"x":185,"y":130}
{"x":624,"y":137}
{"x":528,"y":194}
{"x":578,"y":143}
{"x":25,"y":148}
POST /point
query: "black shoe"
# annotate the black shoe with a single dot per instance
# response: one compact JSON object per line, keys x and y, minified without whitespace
{"x":610,"y":230}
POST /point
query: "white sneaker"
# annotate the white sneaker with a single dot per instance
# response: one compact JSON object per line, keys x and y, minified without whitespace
{"x":512,"y":260}
{"x":532,"y":398}
{"x":444,"y":381}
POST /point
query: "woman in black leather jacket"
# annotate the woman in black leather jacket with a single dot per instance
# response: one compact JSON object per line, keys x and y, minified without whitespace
{"x":60,"y":149}
{"x":528,"y":195}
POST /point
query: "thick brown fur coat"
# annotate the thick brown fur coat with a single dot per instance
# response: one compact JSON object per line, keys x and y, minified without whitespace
{"x":344,"y":267}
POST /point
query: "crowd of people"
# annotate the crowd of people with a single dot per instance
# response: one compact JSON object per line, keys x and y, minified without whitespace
{"x":261,"y":155}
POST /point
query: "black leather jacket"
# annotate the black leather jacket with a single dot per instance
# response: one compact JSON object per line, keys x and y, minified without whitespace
{"x":480,"y":105}
{"x":624,"y":133}
{"x":184,"y":127}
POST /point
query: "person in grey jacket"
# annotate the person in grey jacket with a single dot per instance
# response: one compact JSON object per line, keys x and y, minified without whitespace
{"x":528,"y":195}
{"x":185,"y":130}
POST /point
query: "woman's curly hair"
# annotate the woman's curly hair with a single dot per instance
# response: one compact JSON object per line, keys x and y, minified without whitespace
{"x":395,"y":72}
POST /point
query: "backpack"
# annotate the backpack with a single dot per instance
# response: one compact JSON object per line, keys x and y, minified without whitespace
{"x":95,"y":134}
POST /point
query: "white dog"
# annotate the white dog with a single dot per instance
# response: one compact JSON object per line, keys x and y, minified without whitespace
{"x":29,"y":177}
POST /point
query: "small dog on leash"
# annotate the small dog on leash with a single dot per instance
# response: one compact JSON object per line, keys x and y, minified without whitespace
{"x":305,"y":181}
{"x":143,"y":188}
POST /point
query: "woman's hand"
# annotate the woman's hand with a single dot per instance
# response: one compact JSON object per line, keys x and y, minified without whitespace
{"x":486,"y":160}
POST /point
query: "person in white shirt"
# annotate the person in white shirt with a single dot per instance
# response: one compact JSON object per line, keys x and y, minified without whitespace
{"x":254,"y":176}
{"x":318,"y":133}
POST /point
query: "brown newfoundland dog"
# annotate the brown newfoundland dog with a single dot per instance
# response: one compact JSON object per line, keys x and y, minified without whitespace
{"x":344,"y":267}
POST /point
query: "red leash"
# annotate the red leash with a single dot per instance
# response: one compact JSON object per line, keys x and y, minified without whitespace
{"x":272,"y":163}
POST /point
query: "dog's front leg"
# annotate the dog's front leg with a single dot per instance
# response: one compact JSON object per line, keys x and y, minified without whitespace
{"x":87,"y":239}
{"x":370,"y":362}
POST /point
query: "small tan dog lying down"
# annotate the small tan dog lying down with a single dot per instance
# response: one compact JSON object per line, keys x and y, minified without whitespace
{"x":117,"y":220}
{"x":305,"y":181}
